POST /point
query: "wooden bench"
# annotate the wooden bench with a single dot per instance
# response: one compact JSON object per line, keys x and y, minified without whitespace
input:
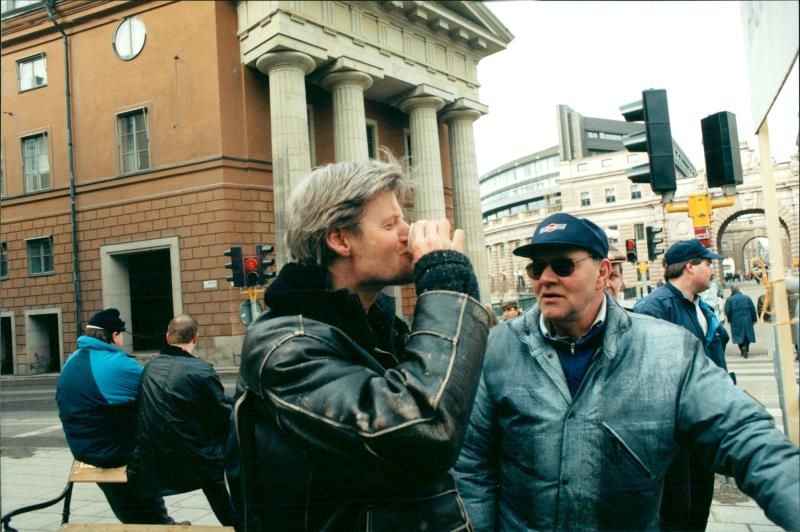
{"x":81,"y":472}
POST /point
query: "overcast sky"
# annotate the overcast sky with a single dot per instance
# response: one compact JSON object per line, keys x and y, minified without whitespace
{"x":597,"y":56}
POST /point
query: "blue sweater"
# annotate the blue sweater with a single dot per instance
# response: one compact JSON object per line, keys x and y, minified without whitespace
{"x":96,"y":395}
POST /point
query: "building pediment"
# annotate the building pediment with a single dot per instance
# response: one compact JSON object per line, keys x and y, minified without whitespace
{"x":405,"y":43}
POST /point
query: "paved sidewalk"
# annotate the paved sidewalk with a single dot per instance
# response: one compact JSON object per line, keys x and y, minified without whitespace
{"x":42,"y":476}
{"x":29,"y":479}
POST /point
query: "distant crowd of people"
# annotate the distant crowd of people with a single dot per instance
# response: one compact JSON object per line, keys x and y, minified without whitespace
{"x":575,"y":414}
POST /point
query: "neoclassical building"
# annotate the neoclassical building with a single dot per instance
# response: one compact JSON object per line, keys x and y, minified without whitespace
{"x":591,"y":182}
{"x":140,"y":140}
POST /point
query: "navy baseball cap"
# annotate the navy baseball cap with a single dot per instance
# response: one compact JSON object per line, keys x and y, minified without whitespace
{"x":562,"y":229}
{"x":684,"y":250}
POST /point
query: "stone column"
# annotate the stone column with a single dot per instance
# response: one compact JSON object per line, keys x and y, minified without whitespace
{"x":291,"y":155}
{"x":349,"y":122}
{"x":429,"y":194}
{"x":466,"y":194}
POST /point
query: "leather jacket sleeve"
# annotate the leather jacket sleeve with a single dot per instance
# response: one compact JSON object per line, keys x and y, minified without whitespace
{"x":738,"y":438}
{"x":328,"y":392}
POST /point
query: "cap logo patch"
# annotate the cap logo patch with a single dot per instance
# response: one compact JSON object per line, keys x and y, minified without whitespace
{"x":552,"y":227}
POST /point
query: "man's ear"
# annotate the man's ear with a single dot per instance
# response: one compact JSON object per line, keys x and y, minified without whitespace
{"x":339,"y":242}
{"x":604,"y":272}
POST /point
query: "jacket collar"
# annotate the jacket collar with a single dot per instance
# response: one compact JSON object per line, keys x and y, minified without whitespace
{"x":175,"y":351}
{"x":307,"y":290}
{"x":617,"y":322}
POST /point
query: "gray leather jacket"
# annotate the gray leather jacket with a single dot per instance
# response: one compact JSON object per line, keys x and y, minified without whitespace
{"x":535,"y":458}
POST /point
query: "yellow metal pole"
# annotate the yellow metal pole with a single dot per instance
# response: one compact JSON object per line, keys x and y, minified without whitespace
{"x":778,"y":282}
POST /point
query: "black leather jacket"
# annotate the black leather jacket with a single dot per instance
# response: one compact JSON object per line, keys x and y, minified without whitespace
{"x":350,"y":421}
{"x":184,"y":419}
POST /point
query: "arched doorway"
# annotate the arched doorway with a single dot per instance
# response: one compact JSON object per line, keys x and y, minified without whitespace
{"x":739,"y":239}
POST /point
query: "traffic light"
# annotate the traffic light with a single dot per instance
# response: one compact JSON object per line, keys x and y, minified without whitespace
{"x":656,"y":140}
{"x":263,"y":251}
{"x":251,"y":268}
{"x":235,"y":265}
{"x":653,"y":251}
{"x":630,"y":251}
{"x":721,"y":149}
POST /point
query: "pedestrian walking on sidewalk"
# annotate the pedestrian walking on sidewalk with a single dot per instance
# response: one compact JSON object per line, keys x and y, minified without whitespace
{"x":97,"y":396}
{"x":741,"y":314}
{"x":582,"y":406}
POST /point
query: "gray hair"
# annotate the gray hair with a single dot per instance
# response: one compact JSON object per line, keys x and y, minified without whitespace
{"x":333,"y":197}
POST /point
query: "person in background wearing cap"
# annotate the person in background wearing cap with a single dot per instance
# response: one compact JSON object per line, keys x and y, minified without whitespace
{"x":510,"y":310}
{"x":97,"y":403}
{"x":615,"y":283}
{"x":582,"y":406}
{"x":689,"y":486}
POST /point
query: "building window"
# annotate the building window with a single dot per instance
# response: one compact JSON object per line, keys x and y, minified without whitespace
{"x":636,"y":192}
{"x":129,"y":38}
{"x":582,"y":167}
{"x":613,"y":234}
{"x":134,"y":143}
{"x":372,"y":139}
{"x":638,"y":231}
{"x":611,"y":195}
{"x":3,"y":260}
{"x":606,"y":163}
{"x":40,"y":255}
{"x":586,"y":200}
{"x":11,"y":5}
{"x":32,"y":72}
{"x":633,"y":157}
{"x":36,"y":162}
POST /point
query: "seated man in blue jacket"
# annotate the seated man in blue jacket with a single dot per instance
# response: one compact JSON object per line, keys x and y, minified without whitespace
{"x":97,"y":403}
{"x":582,"y":406}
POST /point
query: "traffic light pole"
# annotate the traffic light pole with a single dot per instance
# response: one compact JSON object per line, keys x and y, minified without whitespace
{"x":700,"y":207}
{"x":778,"y":281}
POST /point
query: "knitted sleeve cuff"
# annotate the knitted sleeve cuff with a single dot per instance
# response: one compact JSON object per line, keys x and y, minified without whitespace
{"x":445,"y":270}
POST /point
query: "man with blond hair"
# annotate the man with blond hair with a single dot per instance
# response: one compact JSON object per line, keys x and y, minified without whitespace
{"x":350,"y":420}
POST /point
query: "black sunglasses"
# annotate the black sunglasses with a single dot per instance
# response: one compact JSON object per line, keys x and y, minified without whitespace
{"x":562,"y":266}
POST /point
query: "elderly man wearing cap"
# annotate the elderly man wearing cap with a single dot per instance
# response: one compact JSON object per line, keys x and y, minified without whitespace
{"x":582,"y":406}
{"x":689,"y":485}
{"x":97,"y":403}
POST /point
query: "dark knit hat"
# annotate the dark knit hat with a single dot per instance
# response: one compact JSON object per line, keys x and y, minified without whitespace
{"x":108,"y":320}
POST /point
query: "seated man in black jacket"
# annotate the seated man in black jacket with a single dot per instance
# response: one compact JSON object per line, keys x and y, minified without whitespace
{"x":349,"y":420}
{"x":183,"y":422}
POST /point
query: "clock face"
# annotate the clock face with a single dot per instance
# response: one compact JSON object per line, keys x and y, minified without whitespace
{"x":129,"y":38}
